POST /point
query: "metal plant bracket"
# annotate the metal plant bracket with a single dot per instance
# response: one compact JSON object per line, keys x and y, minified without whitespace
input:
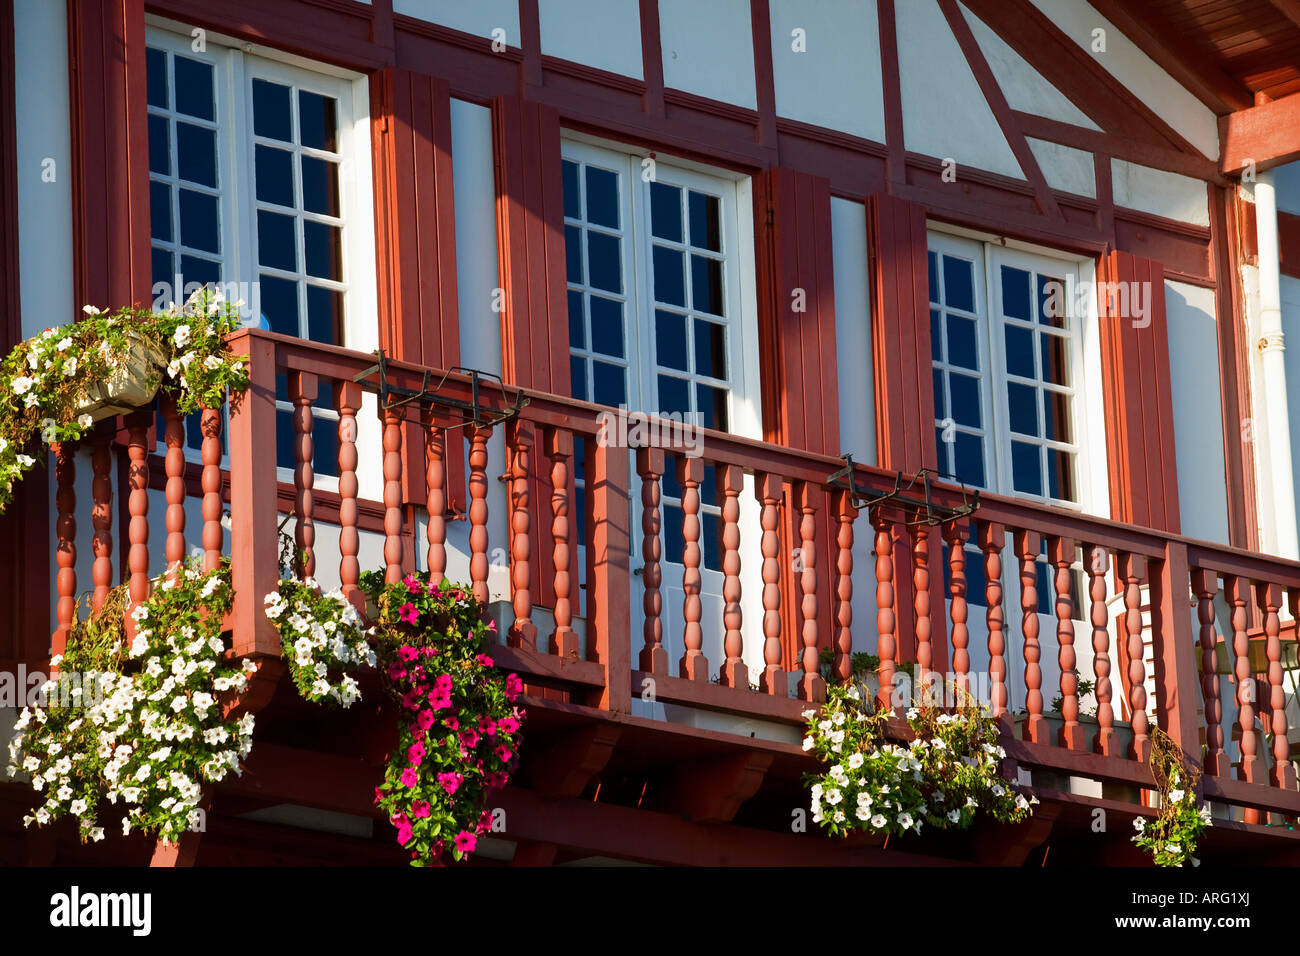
{"x":902,"y":495}
{"x":473,"y":412}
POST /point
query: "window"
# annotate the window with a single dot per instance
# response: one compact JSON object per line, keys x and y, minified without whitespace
{"x":248,"y":189}
{"x":1007,"y":356}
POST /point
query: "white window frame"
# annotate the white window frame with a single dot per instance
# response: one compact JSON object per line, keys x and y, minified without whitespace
{"x":1087,"y":410}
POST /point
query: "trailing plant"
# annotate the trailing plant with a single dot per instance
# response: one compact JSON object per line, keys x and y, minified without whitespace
{"x":324,"y":639}
{"x":458,"y":728}
{"x":159,"y":732}
{"x":45,"y":380}
{"x":946,"y":775}
{"x":1172,"y":836}
{"x":860,"y":664}
{"x":1084,"y":688}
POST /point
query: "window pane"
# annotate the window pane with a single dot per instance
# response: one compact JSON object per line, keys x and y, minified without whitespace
{"x":674,"y":541}
{"x":572,"y":197}
{"x":670,"y":285}
{"x":279,"y":304}
{"x":325,"y":436}
{"x":320,"y":186}
{"x":323,"y":246}
{"x":275,"y":241}
{"x":271,"y":116}
{"x":1052,"y":306}
{"x":1060,"y":475}
{"x":1022,"y":402}
{"x":1055,"y":359}
{"x":1026,"y":468}
{"x":602,"y":197}
{"x":1020,"y":351}
{"x":1016,"y":300}
{"x":196,"y":154}
{"x":933,"y":259}
{"x":160,"y":211}
{"x":711,"y":540}
{"x":670,"y":339}
{"x":936,"y":336}
{"x":712,"y":405}
{"x":1056,"y":416}
{"x":959,"y":283}
{"x":666,"y":212}
{"x":160,"y":149}
{"x":578,"y":378}
{"x":674,"y":396}
{"x":198,"y":269}
{"x":284,"y":439}
{"x":156,"y":73}
{"x":963,"y":349}
{"x":940,"y":406}
{"x":604,"y":262}
{"x":316,"y":120}
{"x":710,"y":349}
{"x":274,"y":175}
{"x":161,"y":269}
{"x":577,"y":327}
{"x":573,"y":254}
{"x":324,"y":315}
{"x":706,"y":221}
{"x":609,"y":383}
{"x":200,"y":227}
{"x":706,"y":284}
{"x":968,"y":452}
{"x":965,"y":394}
{"x":194,"y":88}
{"x":607,"y":326}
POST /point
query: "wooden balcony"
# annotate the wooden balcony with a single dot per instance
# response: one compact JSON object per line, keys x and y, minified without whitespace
{"x":604,"y":775}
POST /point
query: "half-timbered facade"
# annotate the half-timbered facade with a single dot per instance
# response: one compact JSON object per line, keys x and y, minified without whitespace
{"x":1046,"y":250}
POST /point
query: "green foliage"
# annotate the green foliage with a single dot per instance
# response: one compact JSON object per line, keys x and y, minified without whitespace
{"x":1172,"y":836}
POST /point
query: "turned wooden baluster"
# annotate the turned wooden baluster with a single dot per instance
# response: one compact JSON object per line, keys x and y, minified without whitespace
{"x":435,"y":503}
{"x":955,"y":533}
{"x":174,"y":488}
{"x":693,"y":665}
{"x":650,"y":467}
{"x":1060,"y":552}
{"x":559,"y":448}
{"x":522,"y":633}
{"x":304,"y":388}
{"x":887,"y":645}
{"x":1098,"y":566}
{"x":812,"y":687}
{"x":921,"y":602}
{"x":1236,"y":592}
{"x":1132,"y":568}
{"x":137,"y":506}
{"x":392,"y":419}
{"x":65,"y":529}
{"x":847,"y":513}
{"x":731,"y":480}
{"x":101,"y":490}
{"x":1205,"y":585}
{"x":767,"y":489}
{"x":478,"y":511}
{"x":1268,"y":596}
{"x":992,"y":538}
{"x":1027,"y":550}
{"x":210,"y":483}
{"x":348,"y":396}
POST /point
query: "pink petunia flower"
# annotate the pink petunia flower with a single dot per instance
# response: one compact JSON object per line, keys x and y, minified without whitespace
{"x":424,"y":719}
{"x":415,"y":753}
{"x":485,"y":660}
{"x":449,"y":782}
{"x":409,"y":614}
{"x":466,"y":841}
{"x":406,"y":652}
{"x":469,"y":737}
{"x":420,"y":809}
{"x":507,"y":725}
{"x":451,"y":723}
{"x":514,"y":687}
{"x":487,"y":726}
{"x":412,"y":585}
{"x":505,"y":753}
{"x":404,"y":834}
{"x":409,"y":777}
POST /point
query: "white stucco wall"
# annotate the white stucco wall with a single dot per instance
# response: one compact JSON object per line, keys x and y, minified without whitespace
{"x":841,"y":50}
{"x":708,"y":49}
{"x":479,"y":18}
{"x":1286,"y":185}
{"x":1197,"y":402}
{"x":1065,"y":168}
{"x":1160,"y":193}
{"x":602,"y":33}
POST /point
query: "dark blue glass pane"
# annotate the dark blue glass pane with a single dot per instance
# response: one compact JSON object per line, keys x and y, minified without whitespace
{"x":1016,"y":301}
{"x":198,"y":269}
{"x":275,"y":241}
{"x":1026,"y":468}
{"x":933,"y":259}
{"x":194,"y":88}
{"x":711,"y":541}
{"x":320,"y":186}
{"x":161,"y":269}
{"x":577,"y":327}
{"x":968,"y":459}
{"x":1022,"y":402}
{"x":940,"y":406}
{"x":674,"y":396}
{"x":674,"y":541}
{"x":1060,"y":475}
{"x":281,"y":387}
{"x":159,"y":146}
{"x":580,"y":513}
{"x":325,"y":437}
{"x":603,"y":262}
{"x":670,"y":284}
{"x":274,"y":175}
{"x":1052,"y":305}
{"x":602,"y":197}
{"x":936,"y":335}
{"x":710,"y":349}
{"x":712,"y":405}
{"x":573,"y":254}
{"x":317,"y":124}
{"x":670,"y":486}
{"x":156,"y":73}
{"x":160,"y":212}
{"x":965,"y":395}
{"x":976,"y":579}
{"x":200,"y":225}
{"x":323,"y":246}
{"x":606,"y":326}
{"x":670,"y":339}
{"x":279,"y":304}
{"x":709,"y":486}
{"x":609,"y":384}
{"x":572,"y":197}
{"x":1046,"y":591}
{"x":324,"y":315}
{"x":706,"y":285}
{"x":963,"y":349}
{"x":959,"y":283}
{"x":284,"y":439}
{"x":196,"y":154}
{"x":271,"y":113}
{"x":706,"y":221}
{"x":1054,"y":356}
{"x":578,"y":378}
{"x":666,"y":212}
{"x":193,"y":430}
{"x":1020,"y":351}
{"x":1056,"y":416}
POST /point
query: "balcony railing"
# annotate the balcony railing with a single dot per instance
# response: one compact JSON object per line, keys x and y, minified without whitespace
{"x":1146,"y":595}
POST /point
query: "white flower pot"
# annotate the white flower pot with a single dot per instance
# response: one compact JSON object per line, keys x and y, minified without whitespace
{"x":132,"y":385}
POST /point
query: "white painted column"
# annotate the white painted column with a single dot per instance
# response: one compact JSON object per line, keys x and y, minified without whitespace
{"x":1279,"y":534}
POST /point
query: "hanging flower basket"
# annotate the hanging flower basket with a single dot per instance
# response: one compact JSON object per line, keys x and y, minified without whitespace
{"x":132,"y":385}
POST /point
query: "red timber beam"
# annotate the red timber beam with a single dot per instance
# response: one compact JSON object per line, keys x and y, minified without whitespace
{"x":1266,"y":135}
{"x":1288,"y":242}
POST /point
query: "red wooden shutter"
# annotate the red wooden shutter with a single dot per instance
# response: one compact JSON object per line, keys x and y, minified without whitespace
{"x":416,"y":248}
{"x":796,"y":297}
{"x":1138,"y":394}
{"x":110,"y":153}
{"x":535,"y":324}
{"x":900,"y":338}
